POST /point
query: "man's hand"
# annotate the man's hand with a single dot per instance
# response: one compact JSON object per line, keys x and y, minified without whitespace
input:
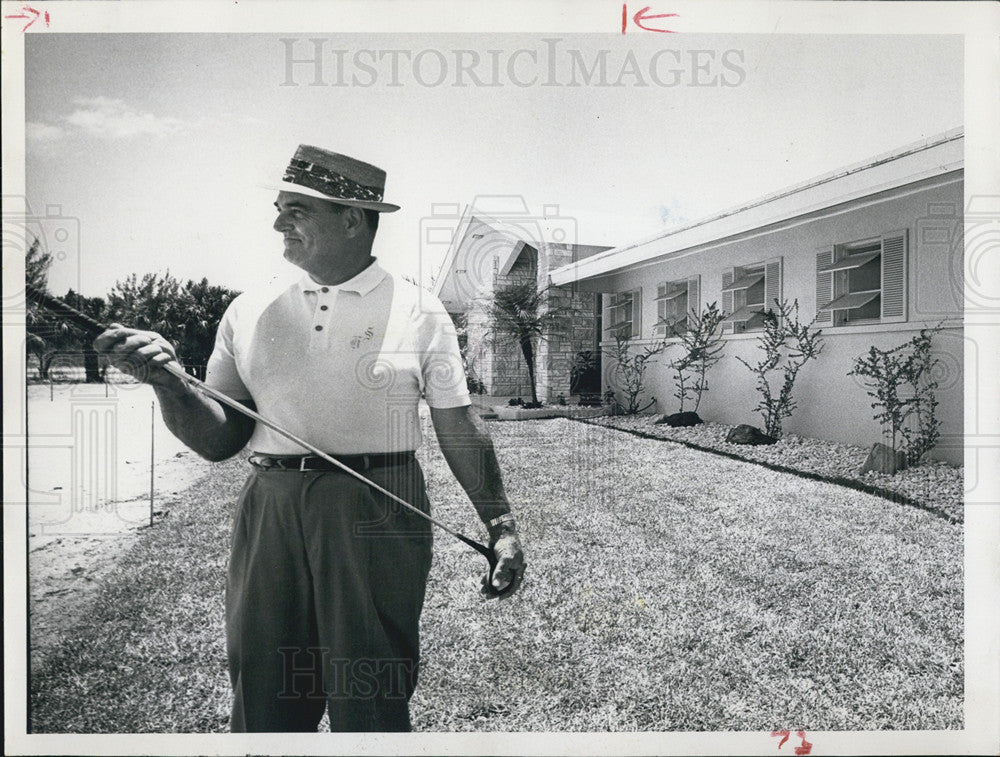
{"x":467,"y":447}
{"x":141,"y":354}
{"x":510,"y":564}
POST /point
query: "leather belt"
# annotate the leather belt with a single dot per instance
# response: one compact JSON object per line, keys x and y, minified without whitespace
{"x":304,"y":463}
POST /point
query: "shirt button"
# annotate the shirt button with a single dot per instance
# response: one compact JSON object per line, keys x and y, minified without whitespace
{"x":323,"y":307}
{"x":319,"y":328}
{"x":324,"y":290}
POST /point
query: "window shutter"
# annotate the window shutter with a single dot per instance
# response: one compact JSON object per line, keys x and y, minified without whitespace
{"x":824,"y":288}
{"x":727,"y":297}
{"x":894,"y":254}
{"x":772,"y":283}
{"x":606,"y":315}
{"x":637,"y":313}
{"x":694,"y":295}
{"x":661,"y":308}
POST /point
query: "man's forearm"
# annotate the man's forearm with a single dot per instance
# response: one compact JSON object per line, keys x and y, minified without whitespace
{"x":478,"y":471}
{"x":469,"y":451}
{"x":204,"y":425}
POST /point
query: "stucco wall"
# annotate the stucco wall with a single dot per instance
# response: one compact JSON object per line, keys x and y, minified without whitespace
{"x":831,"y":405}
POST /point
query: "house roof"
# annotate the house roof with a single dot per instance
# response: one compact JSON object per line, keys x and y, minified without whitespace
{"x":483,"y":243}
{"x":923,"y":160}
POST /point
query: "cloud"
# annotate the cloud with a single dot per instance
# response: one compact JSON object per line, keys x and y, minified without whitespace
{"x":39,"y":132}
{"x":104,"y":118}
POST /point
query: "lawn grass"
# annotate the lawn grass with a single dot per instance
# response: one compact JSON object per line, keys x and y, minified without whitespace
{"x":667,"y":589}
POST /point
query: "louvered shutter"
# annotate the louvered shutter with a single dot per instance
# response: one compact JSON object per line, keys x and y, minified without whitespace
{"x":727,"y":297}
{"x":894,"y":254}
{"x":772,"y":284}
{"x":606,"y":316}
{"x":694,"y":295}
{"x":636,"y":313}
{"x":824,"y":288}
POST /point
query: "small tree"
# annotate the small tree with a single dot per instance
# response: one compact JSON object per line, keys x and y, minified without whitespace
{"x":787,"y":345}
{"x":48,"y":336}
{"x":203,"y":307}
{"x":37,"y":263}
{"x":521,"y":312}
{"x":630,"y":368}
{"x":95,"y":308}
{"x":152,"y":302}
{"x":702,"y":342}
{"x":36,"y":273}
{"x":888,"y":375}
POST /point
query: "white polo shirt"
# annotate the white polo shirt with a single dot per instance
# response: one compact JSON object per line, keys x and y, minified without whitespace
{"x":342,"y":367}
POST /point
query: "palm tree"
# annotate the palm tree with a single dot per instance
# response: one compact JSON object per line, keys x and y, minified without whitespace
{"x":518,"y":311}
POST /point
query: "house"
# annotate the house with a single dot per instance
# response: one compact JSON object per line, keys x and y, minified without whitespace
{"x":873,"y":252}
{"x":488,"y":251}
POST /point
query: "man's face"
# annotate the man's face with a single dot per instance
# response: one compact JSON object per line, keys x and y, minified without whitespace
{"x":313,"y":230}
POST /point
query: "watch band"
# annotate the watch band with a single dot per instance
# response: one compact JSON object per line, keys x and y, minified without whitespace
{"x":505,"y":518}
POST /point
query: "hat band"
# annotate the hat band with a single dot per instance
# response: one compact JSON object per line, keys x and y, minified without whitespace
{"x":336,"y":185}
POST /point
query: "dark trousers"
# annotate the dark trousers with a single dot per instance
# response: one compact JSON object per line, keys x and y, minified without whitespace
{"x":325,"y":587}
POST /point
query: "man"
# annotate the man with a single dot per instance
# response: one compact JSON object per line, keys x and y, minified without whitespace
{"x":327,"y":576}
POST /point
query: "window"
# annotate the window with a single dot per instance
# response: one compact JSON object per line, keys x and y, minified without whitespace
{"x":748,"y":292}
{"x":674,"y":301}
{"x":621,"y":314}
{"x":862,"y":282}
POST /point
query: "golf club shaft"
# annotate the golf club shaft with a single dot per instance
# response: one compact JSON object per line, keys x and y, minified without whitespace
{"x":175,"y":369}
{"x":94,"y":328}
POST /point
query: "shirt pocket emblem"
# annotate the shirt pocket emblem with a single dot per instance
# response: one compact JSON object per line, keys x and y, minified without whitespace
{"x":359,"y":339}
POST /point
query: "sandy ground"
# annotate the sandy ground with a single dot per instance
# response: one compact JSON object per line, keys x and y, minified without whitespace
{"x":89,"y":461}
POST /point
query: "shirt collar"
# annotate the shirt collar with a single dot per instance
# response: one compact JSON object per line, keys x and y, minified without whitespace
{"x":362,"y":283}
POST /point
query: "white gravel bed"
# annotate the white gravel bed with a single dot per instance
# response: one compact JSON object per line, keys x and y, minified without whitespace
{"x":935,"y":485}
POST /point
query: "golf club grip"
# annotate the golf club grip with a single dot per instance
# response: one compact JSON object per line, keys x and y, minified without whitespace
{"x":493,"y":591}
{"x":60,"y":308}
{"x":491,"y":558}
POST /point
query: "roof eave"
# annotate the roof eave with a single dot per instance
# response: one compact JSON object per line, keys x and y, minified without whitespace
{"x":750,"y":218}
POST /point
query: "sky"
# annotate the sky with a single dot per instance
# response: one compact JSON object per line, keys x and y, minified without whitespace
{"x":150,"y":152}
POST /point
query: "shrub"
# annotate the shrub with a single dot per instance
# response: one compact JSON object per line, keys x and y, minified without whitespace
{"x":585,"y":378}
{"x":787,"y":345}
{"x":702,"y":342}
{"x":630,"y":368}
{"x":888,"y":375}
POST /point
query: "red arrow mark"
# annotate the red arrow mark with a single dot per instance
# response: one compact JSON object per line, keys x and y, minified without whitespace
{"x":33,"y":18}
{"x":784,"y":737}
{"x":806,"y":746}
{"x":641,"y":16}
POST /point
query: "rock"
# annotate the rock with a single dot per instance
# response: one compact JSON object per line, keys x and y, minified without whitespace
{"x":680,"y":419}
{"x":744,"y":434}
{"x":883,"y":459}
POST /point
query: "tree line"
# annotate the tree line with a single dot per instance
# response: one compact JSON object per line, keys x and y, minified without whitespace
{"x":186,"y":314}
